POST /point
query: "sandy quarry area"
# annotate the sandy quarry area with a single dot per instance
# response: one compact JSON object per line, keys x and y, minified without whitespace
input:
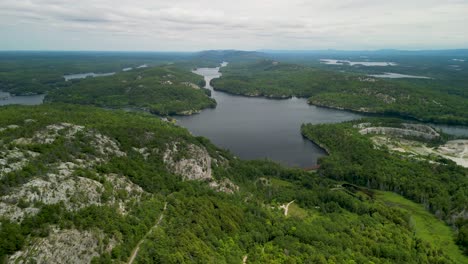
{"x":455,"y":150}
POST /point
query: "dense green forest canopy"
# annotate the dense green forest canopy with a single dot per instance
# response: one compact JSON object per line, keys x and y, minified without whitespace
{"x":447,"y":70}
{"x":163,"y":90}
{"x":39,"y":72}
{"x":167,"y":87}
{"x":439,"y":184}
{"x":426,"y":100}
{"x":327,"y":222}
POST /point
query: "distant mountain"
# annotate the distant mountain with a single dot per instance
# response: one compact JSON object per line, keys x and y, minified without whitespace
{"x":444,"y":52}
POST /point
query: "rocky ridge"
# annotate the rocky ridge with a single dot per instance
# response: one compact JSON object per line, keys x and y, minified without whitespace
{"x":407,"y":130}
{"x":75,"y":180}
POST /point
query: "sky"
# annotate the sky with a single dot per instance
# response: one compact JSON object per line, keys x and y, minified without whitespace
{"x":191,"y":25}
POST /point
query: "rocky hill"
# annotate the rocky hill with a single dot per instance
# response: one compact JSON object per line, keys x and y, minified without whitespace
{"x":47,"y":163}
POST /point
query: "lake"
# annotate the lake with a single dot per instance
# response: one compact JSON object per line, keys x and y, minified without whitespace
{"x":459,"y":131}
{"x":352,"y":63}
{"x":8,"y":99}
{"x":92,"y":74}
{"x":392,"y":75}
{"x":258,"y":128}
{"x":253,"y":127}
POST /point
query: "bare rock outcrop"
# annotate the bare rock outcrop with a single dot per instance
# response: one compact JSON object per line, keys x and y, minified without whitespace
{"x":63,"y":246}
{"x":74,"y":191}
{"x":194,"y":165}
{"x":225,"y":185}
{"x":60,"y":184}
{"x":193,"y":162}
{"x":407,"y":130}
{"x":14,"y":159}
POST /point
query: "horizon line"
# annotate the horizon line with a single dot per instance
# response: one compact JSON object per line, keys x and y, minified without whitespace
{"x":245,"y":50}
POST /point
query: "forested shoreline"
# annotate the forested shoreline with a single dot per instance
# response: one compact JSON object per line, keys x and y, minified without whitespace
{"x":438,"y":184}
{"x":162,"y":90}
{"x":346,"y":91}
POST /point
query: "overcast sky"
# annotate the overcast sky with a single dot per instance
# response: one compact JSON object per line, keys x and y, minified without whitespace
{"x":240,"y":24}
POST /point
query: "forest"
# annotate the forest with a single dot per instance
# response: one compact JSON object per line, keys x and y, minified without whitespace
{"x":328,"y":221}
{"x":30,"y":72}
{"x":94,"y":166}
{"x":439,"y":185}
{"x":39,"y":72}
{"x":163,"y":90}
{"x":165,"y":87}
{"x":424,"y":100}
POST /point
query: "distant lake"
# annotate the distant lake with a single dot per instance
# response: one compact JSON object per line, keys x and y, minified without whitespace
{"x":258,"y":128}
{"x":392,"y":75}
{"x":352,"y":63}
{"x":92,"y":74}
{"x":8,"y":99}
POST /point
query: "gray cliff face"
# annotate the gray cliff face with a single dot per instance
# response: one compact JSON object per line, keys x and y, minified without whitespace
{"x":195,"y":165}
{"x":408,"y":130}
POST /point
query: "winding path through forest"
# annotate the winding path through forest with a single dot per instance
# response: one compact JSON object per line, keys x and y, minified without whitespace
{"x":137,"y":248}
{"x":286,"y":207}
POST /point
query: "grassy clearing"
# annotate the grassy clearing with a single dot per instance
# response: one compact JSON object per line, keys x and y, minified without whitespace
{"x":280,"y":183}
{"x":298,"y":212}
{"x":426,"y":226}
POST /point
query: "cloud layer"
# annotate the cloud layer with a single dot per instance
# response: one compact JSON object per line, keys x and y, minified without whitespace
{"x":241,"y":24}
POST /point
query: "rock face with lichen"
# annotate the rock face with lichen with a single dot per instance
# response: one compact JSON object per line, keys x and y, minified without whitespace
{"x":407,"y":130}
{"x":194,"y":165}
{"x":63,"y":246}
{"x":57,"y":178}
{"x":225,"y":185}
{"x":70,"y":179}
{"x":61,"y":183}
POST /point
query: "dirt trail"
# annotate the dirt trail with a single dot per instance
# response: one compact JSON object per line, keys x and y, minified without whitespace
{"x":244,"y":260}
{"x":137,"y":248}
{"x":286,"y":207}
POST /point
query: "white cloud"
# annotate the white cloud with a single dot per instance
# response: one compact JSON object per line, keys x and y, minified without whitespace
{"x":241,"y":24}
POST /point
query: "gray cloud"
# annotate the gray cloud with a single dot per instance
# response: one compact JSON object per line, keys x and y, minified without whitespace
{"x":244,"y":24}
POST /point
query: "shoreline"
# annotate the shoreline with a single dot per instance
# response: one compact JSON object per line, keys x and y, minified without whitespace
{"x":365,"y":113}
{"x":318,"y":144}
